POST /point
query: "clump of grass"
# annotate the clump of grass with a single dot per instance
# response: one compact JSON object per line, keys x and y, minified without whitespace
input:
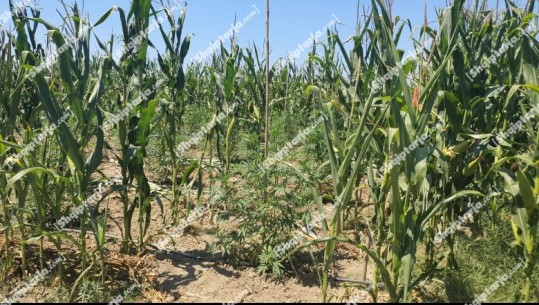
{"x":481,"y":260}
{"x":92,"y":292}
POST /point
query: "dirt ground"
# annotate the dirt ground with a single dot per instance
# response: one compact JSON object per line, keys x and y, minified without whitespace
{"x":169,"y":277}
{"x":178,"y":276}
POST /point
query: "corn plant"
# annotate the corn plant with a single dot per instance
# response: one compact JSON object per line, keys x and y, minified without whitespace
{"x":523,"y":185}
{"x":135,"y":128}
{"x":174,"y":101}
{"x":81,"y":100}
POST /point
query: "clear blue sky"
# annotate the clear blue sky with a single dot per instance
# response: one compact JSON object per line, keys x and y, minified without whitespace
{"x":292,"y":21}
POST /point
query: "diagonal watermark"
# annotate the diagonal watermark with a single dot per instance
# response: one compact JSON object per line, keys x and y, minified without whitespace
{"x":21,"y":292}
{"x":37,"y":140}
{"x":286,"y":150}
{"x":500,"y":281}
{"x":216,"y":45}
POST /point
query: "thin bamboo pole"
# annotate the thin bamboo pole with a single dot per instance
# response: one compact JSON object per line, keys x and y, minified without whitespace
{"x":267,"y":116}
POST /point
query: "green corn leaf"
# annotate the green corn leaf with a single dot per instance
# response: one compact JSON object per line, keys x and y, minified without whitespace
{"x":144,"y":124}
{"x":526,"y":192}
{"x":105,"y":16}
{"x":424,"y":218}
{"x":65,"y":136}
{"x":520,"y":219}
{"x":185,"y":48}
{"x":95,"y":159}
{"x":23,"y":173}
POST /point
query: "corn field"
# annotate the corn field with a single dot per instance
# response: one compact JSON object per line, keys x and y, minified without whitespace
{"x":409,"y":165}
